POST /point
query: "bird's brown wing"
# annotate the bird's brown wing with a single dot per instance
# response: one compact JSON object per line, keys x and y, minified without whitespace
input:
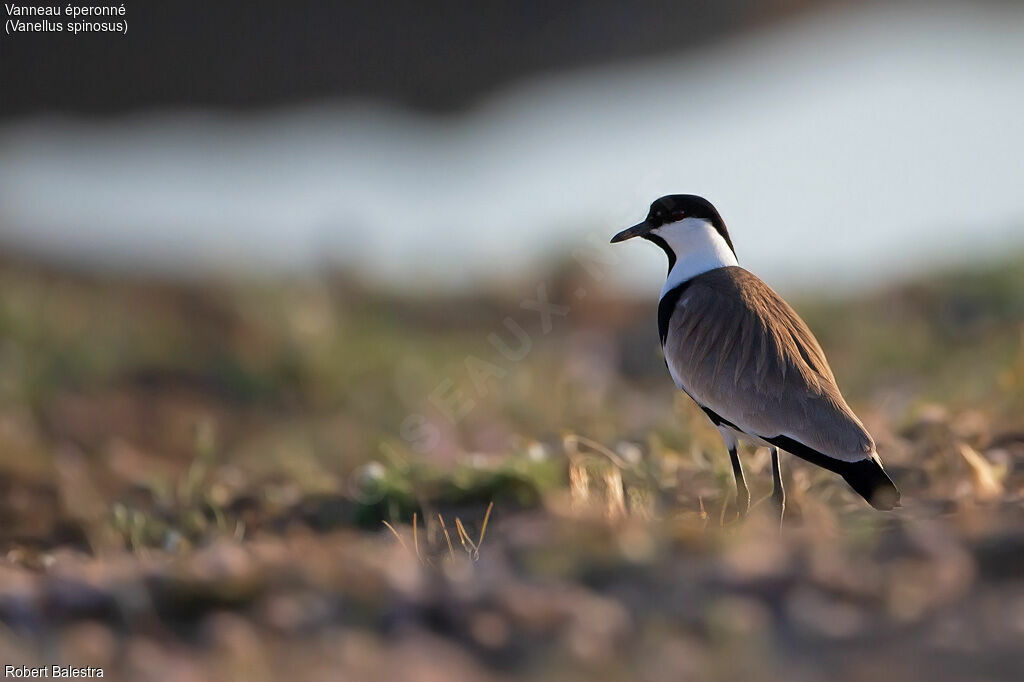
{"x":742,"y":352}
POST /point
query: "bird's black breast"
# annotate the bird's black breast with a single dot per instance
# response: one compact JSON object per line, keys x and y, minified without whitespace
{"x":667,"y":306}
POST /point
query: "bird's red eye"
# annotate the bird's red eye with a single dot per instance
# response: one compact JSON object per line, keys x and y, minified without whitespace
{"x":678,"y":215}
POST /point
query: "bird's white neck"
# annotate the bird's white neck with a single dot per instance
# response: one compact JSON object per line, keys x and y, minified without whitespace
{"x":698,"y":248}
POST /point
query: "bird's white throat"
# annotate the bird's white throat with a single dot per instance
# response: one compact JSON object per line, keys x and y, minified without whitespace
{"x":698,"y":248}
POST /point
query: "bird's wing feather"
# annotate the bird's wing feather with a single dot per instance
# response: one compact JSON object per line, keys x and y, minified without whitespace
{"x":738,"y":349}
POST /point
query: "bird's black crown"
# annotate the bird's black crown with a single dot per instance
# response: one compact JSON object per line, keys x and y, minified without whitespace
{"x":674,"y":207}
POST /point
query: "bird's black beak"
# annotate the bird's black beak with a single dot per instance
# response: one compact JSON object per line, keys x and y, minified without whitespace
{"x":636,"y":231}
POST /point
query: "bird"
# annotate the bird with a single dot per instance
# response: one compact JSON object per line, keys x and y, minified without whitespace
{"x":748,"y":360}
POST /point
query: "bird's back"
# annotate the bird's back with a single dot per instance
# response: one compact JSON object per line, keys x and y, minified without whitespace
{"x":742,"y":352}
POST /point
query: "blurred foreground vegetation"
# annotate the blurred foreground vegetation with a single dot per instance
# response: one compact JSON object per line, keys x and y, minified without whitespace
{"x":254,"y":479}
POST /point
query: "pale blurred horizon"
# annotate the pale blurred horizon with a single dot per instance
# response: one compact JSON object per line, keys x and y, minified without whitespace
{"x":858,"y":145}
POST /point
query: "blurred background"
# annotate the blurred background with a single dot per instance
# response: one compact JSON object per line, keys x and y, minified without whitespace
{"x":445,"y":146}
{"x":315,"y":360}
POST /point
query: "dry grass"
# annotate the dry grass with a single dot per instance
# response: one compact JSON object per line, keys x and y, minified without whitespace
{"x":259,"y":481}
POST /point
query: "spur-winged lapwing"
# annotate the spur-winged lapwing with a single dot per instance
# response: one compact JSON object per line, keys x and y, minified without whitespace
{"x":748,"y":360}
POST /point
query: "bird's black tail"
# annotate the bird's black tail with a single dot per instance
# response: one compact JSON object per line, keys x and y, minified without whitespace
{"x":869,"y":479}
{"x":867,"y":476}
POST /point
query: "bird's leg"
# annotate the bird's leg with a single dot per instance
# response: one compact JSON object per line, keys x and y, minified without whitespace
{"x":778,"y":492}
{"x":742,"y":494}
